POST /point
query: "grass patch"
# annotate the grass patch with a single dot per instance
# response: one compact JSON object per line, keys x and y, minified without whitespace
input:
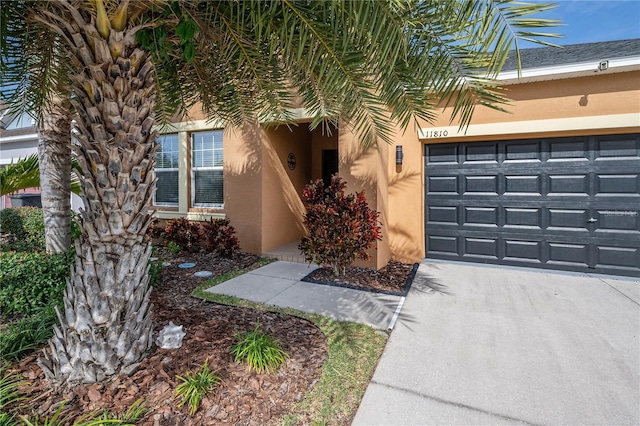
{"x":354,"y":350}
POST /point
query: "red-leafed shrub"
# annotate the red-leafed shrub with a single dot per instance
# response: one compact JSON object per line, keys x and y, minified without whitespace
{"x":220,"y":237}
{"x":341,"y":227}
{"x":184,"y":233}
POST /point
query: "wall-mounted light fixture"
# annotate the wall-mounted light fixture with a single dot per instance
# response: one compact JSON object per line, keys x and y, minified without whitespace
{"x":399,"y":155}
{"x":603,"y":65}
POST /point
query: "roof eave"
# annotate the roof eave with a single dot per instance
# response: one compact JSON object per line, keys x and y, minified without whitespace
{"x":583,"y":69}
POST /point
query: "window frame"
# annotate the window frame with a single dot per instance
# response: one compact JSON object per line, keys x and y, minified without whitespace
{"x":168,"y":169}
{"x":193,"y":169}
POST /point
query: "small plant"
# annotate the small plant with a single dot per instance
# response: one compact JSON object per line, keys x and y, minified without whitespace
{"x":132,"y":415}
{"x":184,"y":233}
{"x":220,"y":237}
{"x":260,"y":351}
{"x":173,"y":247}
{"x":9,"y":394}
{"x":341,"y":227}
{"x":28,"y":334}
{"x":195,"y":385}
{"x":155,"y":270}
{"x":155,"y":230}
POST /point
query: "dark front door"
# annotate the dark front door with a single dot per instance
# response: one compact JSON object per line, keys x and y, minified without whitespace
{"x":562,"y":203}
{"x":329,"y":164}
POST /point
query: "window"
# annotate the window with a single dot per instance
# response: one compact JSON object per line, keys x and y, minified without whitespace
{"x":206,"y":170}
{"x":167,"y":171}
{"x":21,"y":122}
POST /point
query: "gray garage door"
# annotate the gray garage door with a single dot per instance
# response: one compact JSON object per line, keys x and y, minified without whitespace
{"x":563,"y":203}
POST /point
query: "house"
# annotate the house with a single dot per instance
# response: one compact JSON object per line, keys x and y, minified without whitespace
{"x":19,"y":139}
{"x":554,"y":183}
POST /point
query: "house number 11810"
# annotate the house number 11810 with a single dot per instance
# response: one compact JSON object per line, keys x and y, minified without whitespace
{"x":436,"y":134}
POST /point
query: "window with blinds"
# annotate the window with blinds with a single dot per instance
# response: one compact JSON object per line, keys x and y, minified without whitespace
{"x":166,"y":171}
{"x":206,"y":169}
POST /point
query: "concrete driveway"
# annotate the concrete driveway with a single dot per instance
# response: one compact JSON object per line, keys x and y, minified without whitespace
{"x":487,"y":345}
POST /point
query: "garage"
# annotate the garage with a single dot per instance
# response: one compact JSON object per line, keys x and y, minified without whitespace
{"x":568,"y":203}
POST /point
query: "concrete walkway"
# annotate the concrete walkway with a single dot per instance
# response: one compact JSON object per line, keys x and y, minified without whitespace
{"x":280,"y":284}
{"x":481,"y":345}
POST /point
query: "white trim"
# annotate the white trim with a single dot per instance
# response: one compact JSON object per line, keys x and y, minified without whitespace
{"x":190,"y":126}
{"x":163,"y":214}
{"x":579,"y":69}
{"x":615,"y":121}
{"x":19,"y":138}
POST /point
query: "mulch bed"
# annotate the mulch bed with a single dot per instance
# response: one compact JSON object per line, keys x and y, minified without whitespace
{"x":243,"y":397}
{"x":395,"y":278}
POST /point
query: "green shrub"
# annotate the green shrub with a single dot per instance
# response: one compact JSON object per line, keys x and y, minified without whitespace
{"x":195,"y":385}
{"x":31,"y":281}
{"x":184,"y":233}
{"x":26,"y":224}
{"x":220,"y":237}
{"x":341,"y":227}
{"x":260,"y":351}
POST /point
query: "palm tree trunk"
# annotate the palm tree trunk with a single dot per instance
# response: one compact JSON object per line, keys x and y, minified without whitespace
{"x":54,"y":158}
{"x":106,"y":326}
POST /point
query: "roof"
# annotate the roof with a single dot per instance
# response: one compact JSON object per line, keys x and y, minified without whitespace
{"x":572,"y":54}
{"x":576,"y":60}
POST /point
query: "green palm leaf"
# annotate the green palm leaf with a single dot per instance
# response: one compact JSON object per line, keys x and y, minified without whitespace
{"x":25,"y":173}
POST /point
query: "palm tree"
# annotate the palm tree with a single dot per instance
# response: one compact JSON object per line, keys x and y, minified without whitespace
{"x":365,"y":64}
{"x":48,"y":95}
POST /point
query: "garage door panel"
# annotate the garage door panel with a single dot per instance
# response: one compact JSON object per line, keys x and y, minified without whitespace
{"x":481,"y":184}
{"x":481,"y":216}
{"x":568,"y":203}
{"x":568,"y":254}
{"x":523,"y":251}
{"x":618,"y":257}
{"x":523,"y":218}
{"x":618,"y":149}
{"x":443,"y":244}
{"x":486,"y":153}
{"x":523,"y":185}
{"x":569,"y":184}
{"x":618,"y":185}
{"x":569,"y":150}
{"x":480,"y":248}
{"x":568,"y":219}
{"x":523,"y":152}
{"x":627,"y":221}
{"x":443,"y":184}
{"x":443,"y":154}
{"x":442,"y":215}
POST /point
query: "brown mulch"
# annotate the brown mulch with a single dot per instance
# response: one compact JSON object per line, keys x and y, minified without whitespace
{"x":243,"y":397}
{"x":390,"y":279}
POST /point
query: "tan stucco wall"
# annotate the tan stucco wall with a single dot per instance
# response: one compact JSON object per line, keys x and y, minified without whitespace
{"x":366,"y":170}
{"x":243,"y":184}
{"x":593,"y":99}
{"x":282,"y":209}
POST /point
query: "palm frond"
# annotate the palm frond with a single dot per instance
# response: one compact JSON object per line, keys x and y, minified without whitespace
{"x":25,"y":173}
{"x":22,"y":174}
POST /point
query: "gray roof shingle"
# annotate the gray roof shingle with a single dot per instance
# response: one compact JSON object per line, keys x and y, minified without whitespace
{"x":575,"y":53}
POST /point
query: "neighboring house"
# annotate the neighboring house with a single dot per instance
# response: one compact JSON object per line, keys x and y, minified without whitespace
{"x":19,"y":139}
{"x":554,"y":183}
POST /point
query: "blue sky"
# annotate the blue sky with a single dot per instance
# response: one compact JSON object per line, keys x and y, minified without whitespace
{"x":588,"y":21}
